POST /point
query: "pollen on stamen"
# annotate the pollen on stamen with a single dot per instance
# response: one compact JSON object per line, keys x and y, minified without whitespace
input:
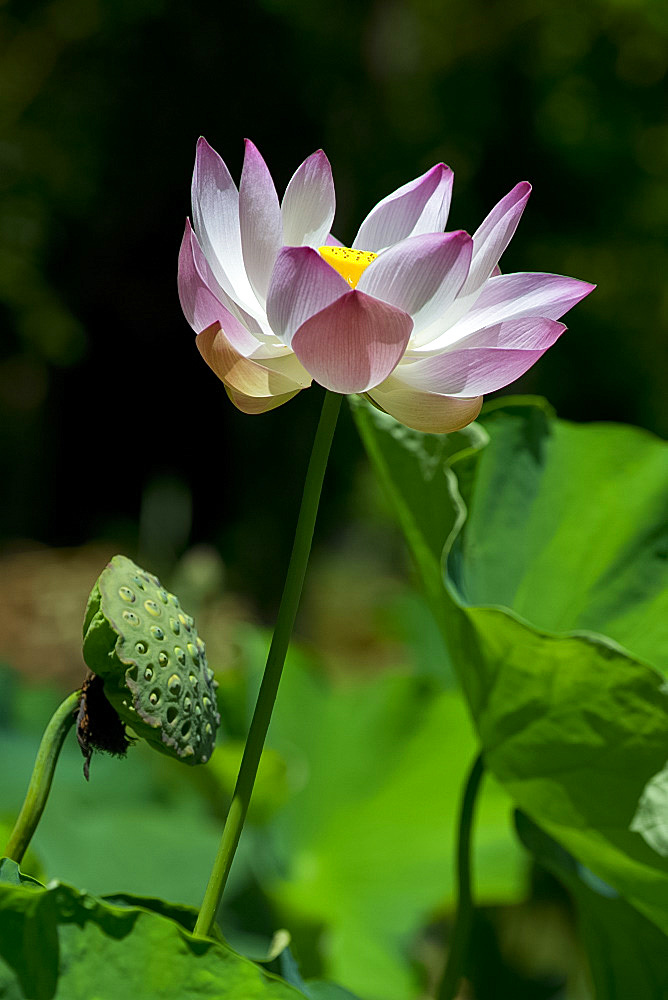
{"x":348,"y":262}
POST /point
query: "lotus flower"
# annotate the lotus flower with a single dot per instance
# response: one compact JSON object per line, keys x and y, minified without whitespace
{"x":419,"y":320}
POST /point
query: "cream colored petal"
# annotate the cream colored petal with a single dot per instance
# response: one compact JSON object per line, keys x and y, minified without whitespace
{"x":273,"y":377}
{"x":257,"y":404}
{"x":424,"y":411}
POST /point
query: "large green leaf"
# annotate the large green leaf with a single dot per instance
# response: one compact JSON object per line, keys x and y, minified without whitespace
{"x":365,"y":844}
{"x":58,"y":943}
{"x":565,"y":526}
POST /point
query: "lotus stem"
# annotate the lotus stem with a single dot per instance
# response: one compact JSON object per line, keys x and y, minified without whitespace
{"x":59,"y":726}
{"x":461,"y":932}
{"x":272,"y":673}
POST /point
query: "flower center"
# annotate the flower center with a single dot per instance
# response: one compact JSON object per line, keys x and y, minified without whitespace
{"x":349,"y":263}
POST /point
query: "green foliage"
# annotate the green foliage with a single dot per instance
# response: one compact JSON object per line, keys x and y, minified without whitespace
{"x":573,"y":723}
{"x":153,"y":663}
{"x":58,"y":943}
{"x":627,"y":953}
{"x":361,"y":765}
{"x":364,"y":845}
{"x":139,"y":825}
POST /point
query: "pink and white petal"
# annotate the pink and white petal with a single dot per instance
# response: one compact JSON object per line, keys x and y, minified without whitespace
{"x":200,"y":305}
{"x":420,"y":275}
{"x":280,"y":376}
{"x":511,"y":296}
{"x":258,"y":404}
{"x":494,"y":234}
{"x":302,"y":284}
{"x":260,"y":221}
{"x":476,"y":370}
{"x":424,"y":411}
{"x":533,"y":333}
{"x":332,"y":241}
{"x":308,"y":203}
{"x":203,"y":300}
{"x":489,"y":242}
{"x":267,"y":342}
{"x":200,"y":297}
{"x":421,"y":206}
{"x":354,"y":343}
{"x":215,"y":201}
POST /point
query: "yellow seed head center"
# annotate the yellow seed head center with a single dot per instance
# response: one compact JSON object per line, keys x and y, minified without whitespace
{"x":349,"y":263}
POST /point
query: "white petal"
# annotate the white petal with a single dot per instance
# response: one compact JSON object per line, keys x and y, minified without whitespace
{"x":259,"y":220}
{"x":421,"y":206}
{"x":215,"y":201}
{"x":308,"y":204}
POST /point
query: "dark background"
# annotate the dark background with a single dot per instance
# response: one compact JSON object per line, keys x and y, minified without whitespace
{"x":111,"y":425}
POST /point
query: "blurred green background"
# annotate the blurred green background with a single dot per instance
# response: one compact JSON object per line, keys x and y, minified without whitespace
{"x":105,"y":401}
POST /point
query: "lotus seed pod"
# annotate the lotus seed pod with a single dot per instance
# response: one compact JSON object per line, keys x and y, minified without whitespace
{"x":146,"y":650}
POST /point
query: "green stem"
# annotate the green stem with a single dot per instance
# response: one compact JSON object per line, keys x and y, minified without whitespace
{"x":461,"y":932}
{"x":275,"y":660}
{"x":59,"y":726}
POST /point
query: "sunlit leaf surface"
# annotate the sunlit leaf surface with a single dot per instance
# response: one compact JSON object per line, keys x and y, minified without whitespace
{"x":549,"y":596}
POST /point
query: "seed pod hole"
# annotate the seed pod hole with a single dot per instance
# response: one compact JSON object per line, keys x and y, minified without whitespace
{"x":152,"y":608}
{"x":163,"y":658}
{"x":126,"y":594}
{"x":185,"y":729}
{"x":131,"y":618}
{"x":157,"y":633}
{"x":141,"y":647}
{"x":172,"y":713}
{"x":154,"y":696}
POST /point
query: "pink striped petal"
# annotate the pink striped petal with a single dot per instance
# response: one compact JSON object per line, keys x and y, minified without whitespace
{"x":494,"y":234}
{"x":302,"y":284}
{"x":308,"y":204}
{"x":492,"y":358}
{"x":424,"y":411}
{"x":215,"y":201}
{"x":260,"y":221}
{"x":332,"y":241}
{"x":200,"y":296}
{"x":271,"y":377}
{"x":353,"y":344}
{"x":512,"y":296}
{"x":533,"y":333}
{"x":420,"y":275}
{"x":421,"y":206}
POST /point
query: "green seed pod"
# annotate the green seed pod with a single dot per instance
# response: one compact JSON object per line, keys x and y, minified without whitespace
{"x":146,"y":650}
